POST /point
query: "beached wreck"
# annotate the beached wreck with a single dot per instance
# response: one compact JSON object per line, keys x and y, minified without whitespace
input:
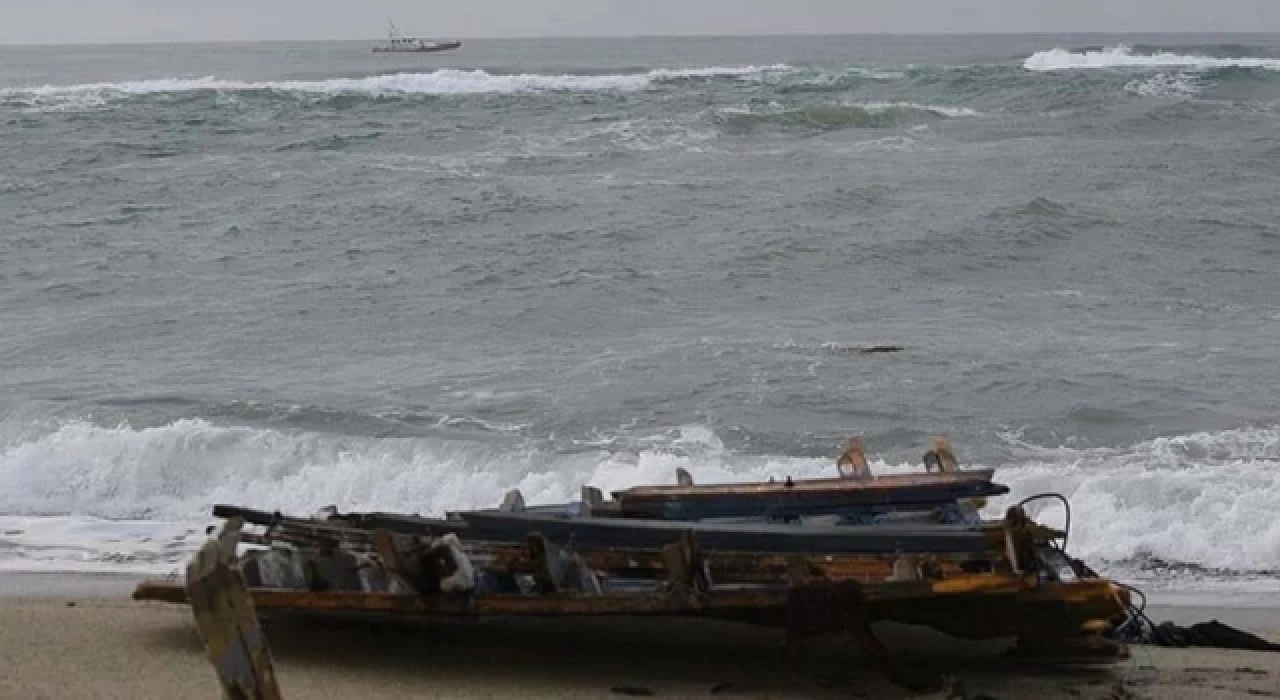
{"x":809,"y":557}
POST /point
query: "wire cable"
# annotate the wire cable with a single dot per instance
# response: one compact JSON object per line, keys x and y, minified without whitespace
{"x":1065,"y":504}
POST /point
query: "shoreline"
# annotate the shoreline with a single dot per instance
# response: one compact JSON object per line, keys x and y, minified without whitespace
{"x":81,"y":636}
{"x":45,"y":585}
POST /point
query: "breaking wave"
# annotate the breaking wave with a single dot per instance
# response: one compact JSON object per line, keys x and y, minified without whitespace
{"x":1126,"y":57}
{"x":86,"y":496}
{"x":176,"y":471}
{"x":440,"y":82}
{"x":1205,"y":500}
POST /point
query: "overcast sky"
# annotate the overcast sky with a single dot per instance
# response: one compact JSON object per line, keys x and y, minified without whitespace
{"x":66,"y":21}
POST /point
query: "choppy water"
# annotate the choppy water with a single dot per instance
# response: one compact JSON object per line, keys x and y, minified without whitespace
{"x":294,"y":275}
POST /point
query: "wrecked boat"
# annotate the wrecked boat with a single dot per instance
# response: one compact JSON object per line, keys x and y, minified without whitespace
{"x":806,"y":556}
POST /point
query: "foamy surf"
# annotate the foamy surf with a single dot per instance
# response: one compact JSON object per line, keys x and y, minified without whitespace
{"x":96,"y":545}
{"x":440,"y":82}
{"x":88,"y":497}
{"x":1125,"y":57}
{"x":1206,"y":500}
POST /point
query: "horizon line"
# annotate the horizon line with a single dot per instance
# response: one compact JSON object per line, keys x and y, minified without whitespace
{"x":628,"y":37}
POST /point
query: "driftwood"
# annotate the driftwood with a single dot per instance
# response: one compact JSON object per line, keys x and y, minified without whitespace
{"x":227,"y":622}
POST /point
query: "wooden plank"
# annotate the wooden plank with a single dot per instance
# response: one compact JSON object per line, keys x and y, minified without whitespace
{"x":384,"y":543}
{"x":686,"y":568}
{"x":539,"y":552}
{"x":228,"y":623}
{"x":344,"y":524}
{"x":849,"y":497}
{"x":879,"y":483}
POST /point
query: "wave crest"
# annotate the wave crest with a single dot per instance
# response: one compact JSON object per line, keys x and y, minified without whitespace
{"x":1205,"y":499}
{"x":440,"y":82}
{"x":1125,"y":57}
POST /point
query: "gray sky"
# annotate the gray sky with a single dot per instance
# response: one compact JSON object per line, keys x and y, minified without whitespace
{"x":73,"y":21}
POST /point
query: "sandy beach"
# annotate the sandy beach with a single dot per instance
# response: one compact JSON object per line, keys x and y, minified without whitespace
{"x":69,"y":637}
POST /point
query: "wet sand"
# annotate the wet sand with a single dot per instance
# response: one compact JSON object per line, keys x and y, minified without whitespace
{"x":58,"y":643}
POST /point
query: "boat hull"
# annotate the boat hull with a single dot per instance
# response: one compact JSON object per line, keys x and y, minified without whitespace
{"x":437,"y":48}
{"x":974,"y":607}
{"x":981,"y":582}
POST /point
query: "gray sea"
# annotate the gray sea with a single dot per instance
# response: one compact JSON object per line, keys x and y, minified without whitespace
{"x":295,"y":275}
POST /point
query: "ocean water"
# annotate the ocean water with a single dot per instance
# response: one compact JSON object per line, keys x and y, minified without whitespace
{"x":293,"y":275}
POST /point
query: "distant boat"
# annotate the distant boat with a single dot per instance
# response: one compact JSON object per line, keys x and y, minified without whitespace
{"x":399,"y":43}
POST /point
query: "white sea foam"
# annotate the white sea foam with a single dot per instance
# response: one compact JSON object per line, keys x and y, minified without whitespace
{"x":948,"y":111}
{"x":851,"y":109}
{"x":633,"y":135}
{"x":79,"y":543}
{"x":1124,"y":57}
{"x":1164,"y":85}
{"x":718,"y":72}
{"x":56,"y":489}
{"x":1206,"y":499}
{"x":440,"y":82}
{"x":82,"y":496}
{"x":177,"y":470}
{"x":875,"y":74}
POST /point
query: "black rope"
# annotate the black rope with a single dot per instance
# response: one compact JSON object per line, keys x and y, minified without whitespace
{"x":1136,"y":613}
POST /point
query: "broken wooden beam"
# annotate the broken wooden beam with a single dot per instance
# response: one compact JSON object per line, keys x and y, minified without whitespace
{"x":227,"y":621}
